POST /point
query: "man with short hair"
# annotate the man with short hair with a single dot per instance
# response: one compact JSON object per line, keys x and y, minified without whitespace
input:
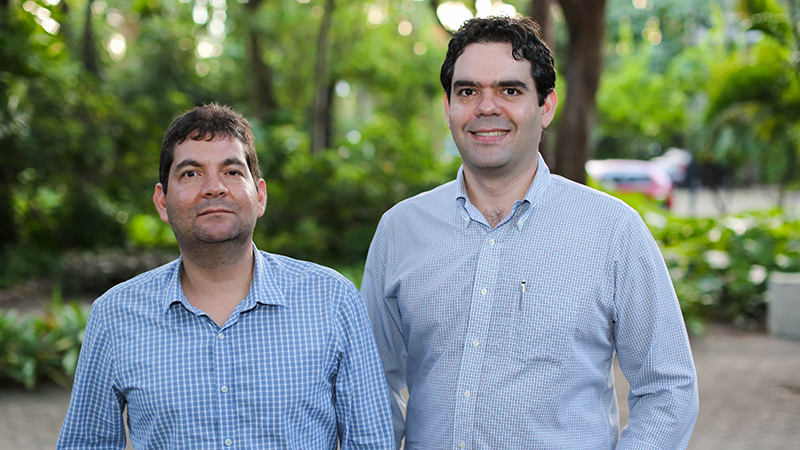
{"x":500,"y":299}
{"x":228,"y":346}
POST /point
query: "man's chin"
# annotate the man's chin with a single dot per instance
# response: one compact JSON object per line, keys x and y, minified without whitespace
{"x":219,"y":236}
{"x":215,"y":239}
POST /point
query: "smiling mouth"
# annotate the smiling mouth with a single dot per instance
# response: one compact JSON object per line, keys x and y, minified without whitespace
{"x":493,"y":133}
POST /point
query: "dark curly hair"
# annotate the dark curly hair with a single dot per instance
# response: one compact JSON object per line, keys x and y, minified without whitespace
{"x":206,"y":123}
{"x":523,"y":34}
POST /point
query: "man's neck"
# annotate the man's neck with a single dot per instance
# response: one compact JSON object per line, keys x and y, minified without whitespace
{"x":217,"y":277}
{"x":494,"y":196}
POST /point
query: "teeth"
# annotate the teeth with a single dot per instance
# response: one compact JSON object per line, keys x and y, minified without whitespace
{"x":490,"y":133}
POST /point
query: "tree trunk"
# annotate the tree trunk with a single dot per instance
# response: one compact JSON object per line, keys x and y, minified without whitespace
{"x":261,"y":73}
{"x":321,"y":112}
{"x":541,"y":12}
{"x":7,"y":182}
{"x":586,"y":25}
{"x":89,"y":53}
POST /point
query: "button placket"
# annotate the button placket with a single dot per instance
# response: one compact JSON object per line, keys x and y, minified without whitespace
{"x":223,"y":354}
{"x":477,"y":328}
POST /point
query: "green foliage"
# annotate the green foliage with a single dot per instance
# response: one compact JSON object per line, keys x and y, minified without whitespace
{"x":695,"y":76}
{"x":753,"y":113}
{"x":720,"y":267}
{"x":22,"y":264}
{"x":81,"y":135}
{"x":652,"y":89}
{"x":337,"y":220}
{"x":640,"y":111}
{"x":34,"y":348}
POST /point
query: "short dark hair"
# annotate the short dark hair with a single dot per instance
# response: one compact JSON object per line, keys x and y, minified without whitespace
{"x":206,"y":123}
{"x":523,"y":34}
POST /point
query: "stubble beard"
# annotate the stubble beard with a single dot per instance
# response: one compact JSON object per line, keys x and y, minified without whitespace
{"x":213,"y":249}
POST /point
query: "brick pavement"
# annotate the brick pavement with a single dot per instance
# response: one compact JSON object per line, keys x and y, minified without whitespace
{"x":749,"y":392}
{"x":749,"y":397}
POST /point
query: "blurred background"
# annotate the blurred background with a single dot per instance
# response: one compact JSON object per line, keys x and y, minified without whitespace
{"x":687,"y":110}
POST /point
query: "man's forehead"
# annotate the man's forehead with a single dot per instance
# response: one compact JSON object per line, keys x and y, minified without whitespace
{"x":219,"y":150}
{"x":491,"y":61}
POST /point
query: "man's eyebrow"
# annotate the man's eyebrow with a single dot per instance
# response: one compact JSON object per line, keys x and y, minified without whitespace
{"x":502,"y":83}
{"x":194,"y":163}
{"x":511,"y":83}
{"x":465,"y":83}
{"x":188,"y":163}
{"x":233,"y":162}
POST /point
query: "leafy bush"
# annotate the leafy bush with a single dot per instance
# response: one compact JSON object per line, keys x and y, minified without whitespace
{"x":721,"y":266}
{"x":34,"y":348}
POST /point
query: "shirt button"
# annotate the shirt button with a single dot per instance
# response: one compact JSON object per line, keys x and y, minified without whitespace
{"x":462,"y":444}
{"x":220,"y":336}
{"x":228,"y":442}
{"x":224,"y":389}
{"x":484,"y":291}
{"x":467,"y":394}
{"x":476,"y":342}
{"x":491,"y":242}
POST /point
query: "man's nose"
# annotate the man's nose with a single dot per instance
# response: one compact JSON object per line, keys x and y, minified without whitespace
{"x":488,"y":106}
{"x":214,"y":186}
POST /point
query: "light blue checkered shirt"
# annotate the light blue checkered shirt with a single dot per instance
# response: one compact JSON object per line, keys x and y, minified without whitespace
{"x":505,"y":337}
{"x":293,"y":367}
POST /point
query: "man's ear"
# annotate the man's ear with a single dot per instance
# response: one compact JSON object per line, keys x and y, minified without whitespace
{"x":261,"y":187}
{"x":160,"y":200}
{"x":549,"y":108}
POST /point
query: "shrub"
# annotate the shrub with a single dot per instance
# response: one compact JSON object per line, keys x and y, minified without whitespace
{"x":34,"y":348}
{"x":721,"y":267}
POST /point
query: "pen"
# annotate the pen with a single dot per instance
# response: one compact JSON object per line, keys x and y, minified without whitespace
{"x":522,"y":286}
{"x":522,"y":293}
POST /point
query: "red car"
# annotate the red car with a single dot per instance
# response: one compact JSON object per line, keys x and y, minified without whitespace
{"x":631,"y":175}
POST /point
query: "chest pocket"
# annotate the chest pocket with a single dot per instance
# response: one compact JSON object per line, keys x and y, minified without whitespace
{"x":543,"y":328}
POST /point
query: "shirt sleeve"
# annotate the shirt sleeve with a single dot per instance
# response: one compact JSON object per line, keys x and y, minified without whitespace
{"x":652,"y":345}
{"x":94,"y":419}
{"x":361,"y":398}
{"x":384,"y":316}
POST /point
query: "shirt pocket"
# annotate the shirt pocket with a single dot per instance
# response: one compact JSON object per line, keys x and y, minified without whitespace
{"x":541,"y":331}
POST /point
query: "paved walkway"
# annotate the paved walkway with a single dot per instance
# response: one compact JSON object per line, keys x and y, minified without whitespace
{"x":749,"y":398}
{"x":707,"y":203}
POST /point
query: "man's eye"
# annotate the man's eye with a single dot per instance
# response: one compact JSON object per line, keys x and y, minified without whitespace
{"x":465,"y":92}
{"x":234,"y":172}
{"x":512,"y":91}
{"x":189,"y":174}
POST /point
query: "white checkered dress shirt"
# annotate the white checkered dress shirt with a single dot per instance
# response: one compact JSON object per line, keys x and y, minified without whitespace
{"x":505,"y":337}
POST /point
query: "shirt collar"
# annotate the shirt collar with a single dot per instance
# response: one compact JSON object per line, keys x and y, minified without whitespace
{"x":264,"y":288}
{"x":534,"y":194}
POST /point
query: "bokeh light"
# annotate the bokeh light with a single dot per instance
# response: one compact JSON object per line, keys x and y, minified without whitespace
{"x":405,"y":28}
{"x":116,"y":46}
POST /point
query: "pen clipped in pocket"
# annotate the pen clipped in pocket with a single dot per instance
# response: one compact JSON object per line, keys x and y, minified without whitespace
{"x":523,"y":294}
